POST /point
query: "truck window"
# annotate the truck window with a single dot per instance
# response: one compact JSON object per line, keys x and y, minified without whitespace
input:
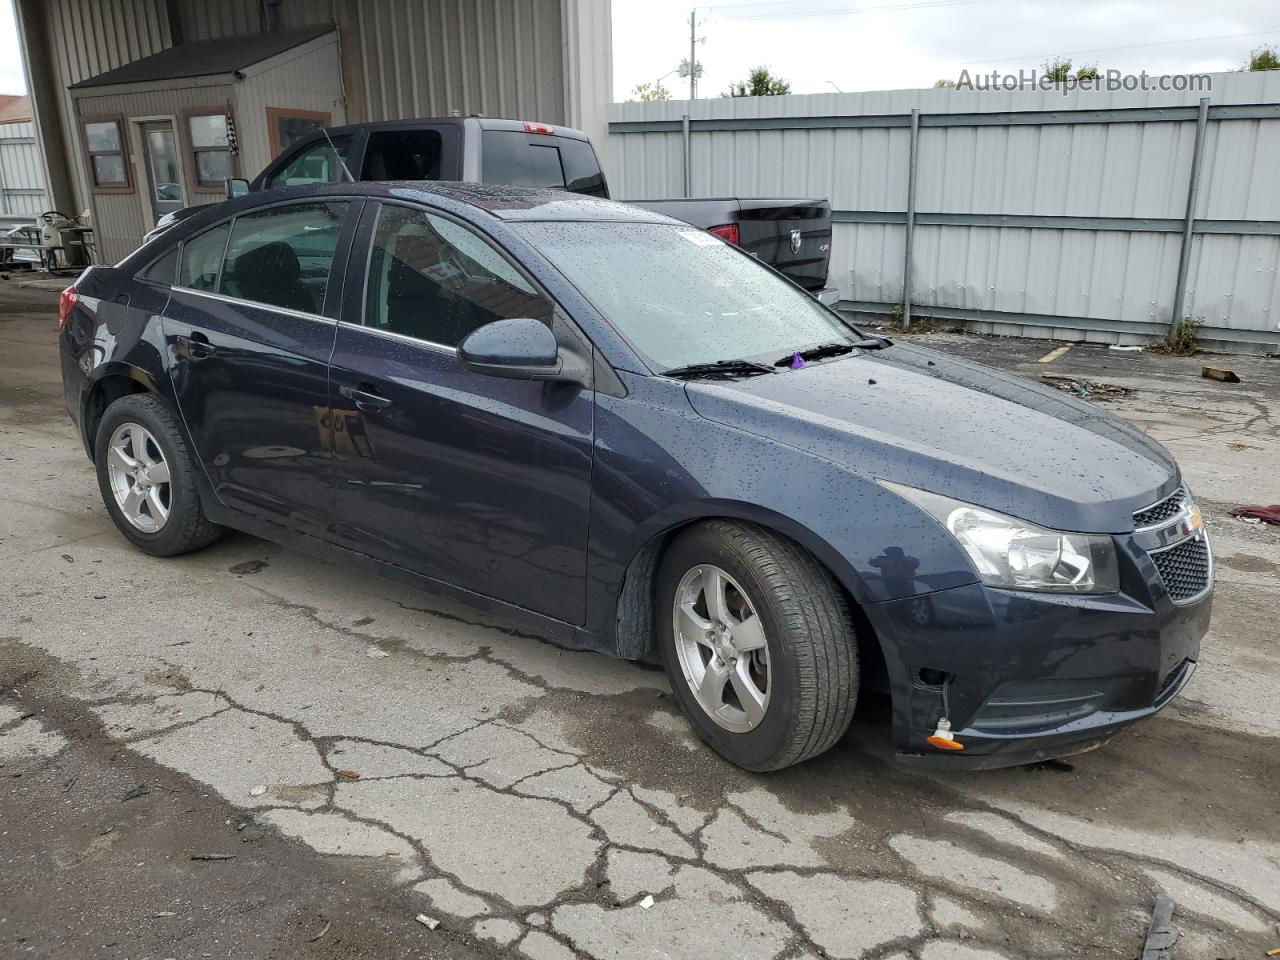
{"x":582,"y":173}
{"x":510,"y":158}
{"x":403,"y":155}
{"x":315,"y":164}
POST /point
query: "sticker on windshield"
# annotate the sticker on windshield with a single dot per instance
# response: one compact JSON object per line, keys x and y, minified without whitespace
{"x":699,"y":238}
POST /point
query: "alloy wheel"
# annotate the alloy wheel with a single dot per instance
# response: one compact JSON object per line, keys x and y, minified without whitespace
{"x":139,"y":477}
{"x":722,"y":648}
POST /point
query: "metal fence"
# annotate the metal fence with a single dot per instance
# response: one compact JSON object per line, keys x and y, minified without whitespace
{"x":22,"y":186}
{"x":1087,"y":215}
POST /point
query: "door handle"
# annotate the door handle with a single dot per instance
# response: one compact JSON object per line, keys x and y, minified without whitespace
{"x":197,"y":345}
{"x":365,"y":397}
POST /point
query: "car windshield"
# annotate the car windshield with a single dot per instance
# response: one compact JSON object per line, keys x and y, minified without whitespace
{"x":681,"y":296}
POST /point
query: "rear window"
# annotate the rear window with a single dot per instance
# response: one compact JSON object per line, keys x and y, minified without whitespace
{"x":403,"y":155}
{"x":510,"y":158}
{"x":202,"y":259}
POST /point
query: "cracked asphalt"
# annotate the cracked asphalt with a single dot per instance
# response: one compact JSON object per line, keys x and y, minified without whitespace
{"x":367,"y":753}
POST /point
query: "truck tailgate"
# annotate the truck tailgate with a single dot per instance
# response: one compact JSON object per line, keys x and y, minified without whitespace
{"x":793,"y":236}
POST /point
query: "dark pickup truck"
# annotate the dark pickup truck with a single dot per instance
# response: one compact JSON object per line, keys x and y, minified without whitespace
{"x":794,"y":236}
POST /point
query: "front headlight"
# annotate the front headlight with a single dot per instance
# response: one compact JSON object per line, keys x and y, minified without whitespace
{"x":1017,"y":555}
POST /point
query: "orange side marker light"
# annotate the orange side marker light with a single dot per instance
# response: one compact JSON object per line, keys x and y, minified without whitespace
{"x":942,"y":738}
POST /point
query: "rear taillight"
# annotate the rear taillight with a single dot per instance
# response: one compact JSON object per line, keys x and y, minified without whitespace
{"x":66,"y":301}
{"x":531,"y":127}
{"x":729,"y":232}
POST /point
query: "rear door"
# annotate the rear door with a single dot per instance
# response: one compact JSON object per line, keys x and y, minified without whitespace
{"x":249,"y":329}
{"x":477,"y":481}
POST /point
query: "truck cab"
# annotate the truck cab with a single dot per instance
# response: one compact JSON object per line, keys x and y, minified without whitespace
{"x":477,"y":149}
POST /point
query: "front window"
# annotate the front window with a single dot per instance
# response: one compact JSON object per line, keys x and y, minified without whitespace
{"x":211,"y":145}
{"x":106,"y":153}
{"x":434,"y":280}
{"x":681,"y":296}
{"x":319,"y":163}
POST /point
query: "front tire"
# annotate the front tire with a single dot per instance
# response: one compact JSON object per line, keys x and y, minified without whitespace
{"x":758,"y":642}
{"x":147,"y":478}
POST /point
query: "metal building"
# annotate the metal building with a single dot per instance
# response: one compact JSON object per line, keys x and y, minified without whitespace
{"x":142,"y":105}
{"x":22,"y":193}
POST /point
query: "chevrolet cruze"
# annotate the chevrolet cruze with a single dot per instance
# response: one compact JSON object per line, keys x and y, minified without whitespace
{"x":624,"y":434}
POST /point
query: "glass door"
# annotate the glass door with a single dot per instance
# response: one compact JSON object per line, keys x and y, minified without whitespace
{"x":164,"y":178}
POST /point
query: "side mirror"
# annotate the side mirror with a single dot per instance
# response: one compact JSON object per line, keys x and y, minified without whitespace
{"x":519,"y":349}
{"x":236,"y":187}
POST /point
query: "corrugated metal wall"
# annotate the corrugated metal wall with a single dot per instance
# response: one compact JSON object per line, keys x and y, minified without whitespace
{"x":1120,"y":280}
{"x":407,"y":58}
{"x":22,"y":184}
{"x":89,"y":37}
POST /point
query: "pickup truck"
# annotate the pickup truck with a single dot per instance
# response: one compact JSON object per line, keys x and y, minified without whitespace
{"x":794,"y":236}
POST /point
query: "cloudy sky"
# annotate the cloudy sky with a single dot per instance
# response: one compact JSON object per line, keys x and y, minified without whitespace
{"x":11,"y":80}
{"x":893,"y":44}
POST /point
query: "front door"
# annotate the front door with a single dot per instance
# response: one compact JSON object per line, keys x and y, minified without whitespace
{"x":160,"y":156}
{"x":480,"y":482}
{"x":249,"y":328}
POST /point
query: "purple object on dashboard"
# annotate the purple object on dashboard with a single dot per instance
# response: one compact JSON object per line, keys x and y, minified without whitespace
{"x":797,"y":361}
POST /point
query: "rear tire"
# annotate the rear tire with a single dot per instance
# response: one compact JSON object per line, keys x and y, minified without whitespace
{"x":147,"y":478}
{"x":739,"y":601}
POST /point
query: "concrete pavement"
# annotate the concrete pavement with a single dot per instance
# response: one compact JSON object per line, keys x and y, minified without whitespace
{"x":536,"y":799}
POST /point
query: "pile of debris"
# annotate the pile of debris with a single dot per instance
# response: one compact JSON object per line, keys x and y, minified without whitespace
{"x":1088,"y":389}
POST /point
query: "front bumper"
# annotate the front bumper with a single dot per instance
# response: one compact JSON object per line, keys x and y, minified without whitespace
{"x":1031,"y":676}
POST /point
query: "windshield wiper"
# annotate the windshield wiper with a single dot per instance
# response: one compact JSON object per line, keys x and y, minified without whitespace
{"x":833,"y":349}
{"x":719,"y":369}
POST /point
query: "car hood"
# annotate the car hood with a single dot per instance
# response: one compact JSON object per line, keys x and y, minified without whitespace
{"x":940,"y":423}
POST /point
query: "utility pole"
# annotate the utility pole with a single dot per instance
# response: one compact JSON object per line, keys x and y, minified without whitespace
{"x":693,"y":55}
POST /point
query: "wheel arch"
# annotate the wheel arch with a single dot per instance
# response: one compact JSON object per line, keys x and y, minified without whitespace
{"x":113,"y":381}
{"x":635,"y":619}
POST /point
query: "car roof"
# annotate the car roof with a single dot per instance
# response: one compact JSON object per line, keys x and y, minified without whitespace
{"x":484,"y":123}
{"x":501,"y":202}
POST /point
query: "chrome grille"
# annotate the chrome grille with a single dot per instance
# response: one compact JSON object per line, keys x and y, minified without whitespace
{"x":1184,"y":568}
{"x":1166,"y":509}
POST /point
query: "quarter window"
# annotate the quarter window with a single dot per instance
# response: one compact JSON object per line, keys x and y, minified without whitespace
{"x":282,"y":256}
{"x":434,"y":280}
{"x":318,"y":163}
{"x":105,"y":145}
{"x":211,"y":147}
{"x":202,"y":259}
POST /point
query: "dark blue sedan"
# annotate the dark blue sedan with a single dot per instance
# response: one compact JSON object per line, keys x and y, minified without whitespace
{"x":624,"y":434}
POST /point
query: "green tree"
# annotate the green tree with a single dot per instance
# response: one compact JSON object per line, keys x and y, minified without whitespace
{"x":944,"y":84}
{"x":1058,"y":70}
{"x":1264,"y":58}
{"x":759,"y":83}
{"x":649,"y":92}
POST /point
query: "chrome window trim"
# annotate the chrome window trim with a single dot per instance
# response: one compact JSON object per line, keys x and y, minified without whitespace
{"x":240,"y":302}
{"x":404,"y":337}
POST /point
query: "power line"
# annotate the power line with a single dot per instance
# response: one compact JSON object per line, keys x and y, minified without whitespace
{"x":1132,"y":46}
{"x":842,"y":11}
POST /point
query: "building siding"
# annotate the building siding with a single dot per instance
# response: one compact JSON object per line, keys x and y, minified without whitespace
{"x":306,"y":79}
{"x":22,"y":182}
{"x":122,"y":218}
